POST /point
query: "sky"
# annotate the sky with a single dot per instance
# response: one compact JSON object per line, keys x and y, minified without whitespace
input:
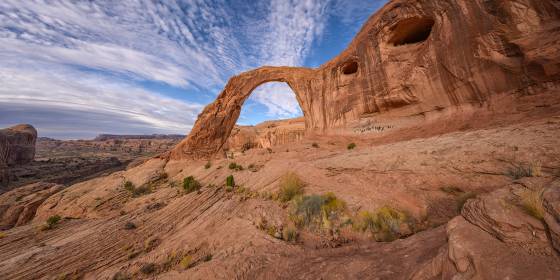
{"x":76,"y":69}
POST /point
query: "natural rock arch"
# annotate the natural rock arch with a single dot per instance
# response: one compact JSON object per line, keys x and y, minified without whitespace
{"x":409,"y":59}
{"x":215,"y":123}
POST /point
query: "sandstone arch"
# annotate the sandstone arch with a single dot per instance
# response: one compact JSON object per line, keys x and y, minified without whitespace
{"x":215,"y":123}
{"x":410,"y":58}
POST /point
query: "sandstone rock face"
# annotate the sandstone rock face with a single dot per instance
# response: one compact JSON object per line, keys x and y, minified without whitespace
{"x":19,"y":206}
{"x":17,"y":144}
{"x":410,"y":58}
{"x":266,"y":134}
{"x":496,"y":236}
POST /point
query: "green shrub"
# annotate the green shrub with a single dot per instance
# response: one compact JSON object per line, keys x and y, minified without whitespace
{"x":316,"y":211}
{"x":235,"y":166}
{"x":129,"y":186}
{"x":230,"y":182}
{"x":137,"y":191}
{"x":384,"y":223}
{"x":351,"y":146}
{"x":290,"y":186}
{"x":532,"y":202}
{"x":208,"y":165}
{"x":51,"y":222}
{"x":190,"y":184}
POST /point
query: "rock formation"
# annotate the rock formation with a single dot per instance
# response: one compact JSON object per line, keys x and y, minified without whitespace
{"x":410,"y":58}
{"x":266,"y":134}
{"x":18,"y":206}
{"x":17,"y":144}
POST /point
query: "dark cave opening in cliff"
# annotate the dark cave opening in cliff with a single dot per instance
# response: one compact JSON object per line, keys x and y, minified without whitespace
{"x":411,"y":31}
{"x":350,"y":68}
{"x":269,"y":102}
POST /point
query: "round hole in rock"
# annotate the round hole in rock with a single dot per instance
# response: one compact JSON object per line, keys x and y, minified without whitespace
{"x":350,"y":67}
{"x":411,"y":31}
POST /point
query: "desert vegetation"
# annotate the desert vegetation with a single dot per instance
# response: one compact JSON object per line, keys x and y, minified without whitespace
{"x":385,"y":224}
{"x":518,"y":171}
{"x":51,"y":222}
{"x":235,"y":166}
{"x":136,"y":191}
{"x":190,"y":184}
{"x":351,"y":146}
{"x":290,"y":187}
{"x":532,"y":202}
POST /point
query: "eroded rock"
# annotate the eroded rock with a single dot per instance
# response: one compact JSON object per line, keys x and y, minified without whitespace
{"x":18,"y":207}
{"x":17,"y":144}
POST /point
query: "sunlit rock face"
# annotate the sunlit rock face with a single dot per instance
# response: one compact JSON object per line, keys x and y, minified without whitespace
{"x":410,"y":58}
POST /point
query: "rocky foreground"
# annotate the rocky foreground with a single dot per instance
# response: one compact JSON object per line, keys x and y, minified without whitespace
{"x":429,"y":151}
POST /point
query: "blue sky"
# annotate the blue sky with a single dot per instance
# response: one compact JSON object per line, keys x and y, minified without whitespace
{"x":75,"y":69}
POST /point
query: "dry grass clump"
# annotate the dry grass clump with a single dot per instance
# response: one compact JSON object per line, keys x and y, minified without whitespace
{"x":316,"y":211}
{"x":208,"y":165}
{"x":2,"y":235}
{"x":186,"y":262}
{"x":533,"y":169}
{"x":532,"y":202}
{"x":290,"y":186}
{"x":148,"y":268}
{"x":190,"y":184}
{"x":290,"y":234}
{"x":385,"y":223}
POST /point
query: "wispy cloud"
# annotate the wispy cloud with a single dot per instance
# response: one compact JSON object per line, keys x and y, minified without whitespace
{"x":93,"y":56}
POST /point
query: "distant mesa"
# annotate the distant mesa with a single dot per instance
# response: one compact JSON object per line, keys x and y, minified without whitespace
{"x":105,"y":137}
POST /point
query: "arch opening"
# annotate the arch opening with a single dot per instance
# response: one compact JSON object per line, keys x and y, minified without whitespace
{"x":270,"y":101}
{"x":411,"y":31}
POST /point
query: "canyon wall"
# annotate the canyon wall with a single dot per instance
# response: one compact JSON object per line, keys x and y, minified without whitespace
{"x":411,"y":57}
{"x":265,"y":135}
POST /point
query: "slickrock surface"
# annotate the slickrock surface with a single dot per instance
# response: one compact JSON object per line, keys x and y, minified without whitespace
{"x":412,"y":62}
{"x":442,"y":117}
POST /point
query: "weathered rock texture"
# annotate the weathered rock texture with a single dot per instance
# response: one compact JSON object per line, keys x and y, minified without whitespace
{"x":410,"y":58}
{"x":265,"y":135}
{"x":18,"y":207}
{"x":17,"y":144}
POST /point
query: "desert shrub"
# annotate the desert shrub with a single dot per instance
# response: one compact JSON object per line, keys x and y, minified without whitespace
{"x":532,"y":202}
{"x":51,"y":222}
{"x":290,"y":234}
{"x":290,"y":186}
{"x":207,"y":257}
{"x":129,"y":186}
{"x":136,"y":191}
{"x":186,"y":262}
{"x":316,"y":211}
{"x":351,"y":146}
{"x":129,"y":226}
{"x":462,"y":199}
{"x":2,"y":235}
{"x":384,"y":223}
{"x":162,"y":176}
{"x":190,"y":184}
{"x":315,"y":145}
{"x":151,"y":243}
{"x":235,"y":166}
{"x":208,"y":165}
{"x":230,"y":182}
{"x":532,"y":169}
{"x":247,"y":146}
{"x":148,"y":268}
